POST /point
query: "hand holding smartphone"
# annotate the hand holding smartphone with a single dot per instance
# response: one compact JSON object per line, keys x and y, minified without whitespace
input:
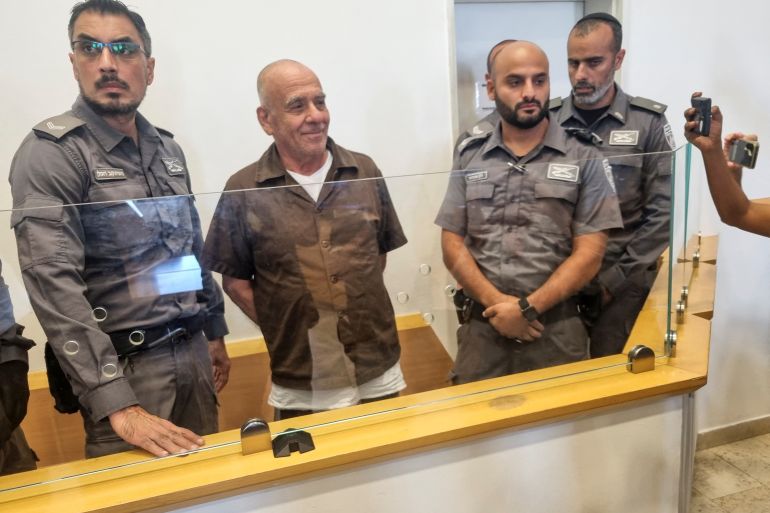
{"x":743,"y":152}
{"x":703,"y":114}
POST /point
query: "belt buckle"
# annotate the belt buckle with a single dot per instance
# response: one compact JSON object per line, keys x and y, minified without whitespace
{"x":175,"y":334}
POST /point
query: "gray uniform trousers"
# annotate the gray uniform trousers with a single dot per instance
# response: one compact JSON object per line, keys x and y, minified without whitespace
{"x":174,"y":381}
{"x":484,"y":353}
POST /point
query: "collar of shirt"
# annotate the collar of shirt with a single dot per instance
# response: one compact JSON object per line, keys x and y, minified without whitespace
{"x":269,"y":167}
{"x":618,"y":109}
{"x":107,"y":136}
{"x":555,"y":138}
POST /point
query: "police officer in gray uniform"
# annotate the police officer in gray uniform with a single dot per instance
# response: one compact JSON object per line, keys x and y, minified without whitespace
{"x":15,"y":454}
{"x":632,"y":132}
{"x":114,"y":279}
{"x":523,"y":228}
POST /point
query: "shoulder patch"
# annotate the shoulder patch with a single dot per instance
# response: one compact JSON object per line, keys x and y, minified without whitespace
{"x":470,"y":140}
{"x":647,"y":104}
{"x":57,"y":127}
{"x":165,"y":132}
{"x":555,"y":103}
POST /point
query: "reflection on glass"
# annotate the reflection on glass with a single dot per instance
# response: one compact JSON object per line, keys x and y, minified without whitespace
{"x":424,"y":305}
{"x":136,"y":337}
{"x":177,"y":274}
{"x":71,"y":347}
{"x":109,"y":370}
{"x":99,"y":314}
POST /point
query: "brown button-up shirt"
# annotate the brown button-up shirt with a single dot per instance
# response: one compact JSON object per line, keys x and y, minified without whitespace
{"x":303,"y":256}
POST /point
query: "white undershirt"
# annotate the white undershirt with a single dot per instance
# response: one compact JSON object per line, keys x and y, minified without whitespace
{"x":328,"y":355}
{"x":313,"y":183}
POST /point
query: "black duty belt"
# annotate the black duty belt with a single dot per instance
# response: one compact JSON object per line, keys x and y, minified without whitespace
{"x":470,"y":309}
{"x":131,"y":341}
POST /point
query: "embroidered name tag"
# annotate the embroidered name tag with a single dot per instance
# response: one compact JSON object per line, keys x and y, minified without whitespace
{"x":624,"y":137}
{"x":478,"y":176}
{"x":103,"y":174}
{"x":564,"y":172}
{"x":174,"y":166}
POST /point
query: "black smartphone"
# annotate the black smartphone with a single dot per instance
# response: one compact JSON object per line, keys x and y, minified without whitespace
{"x":703,"y":115}
{"x":744,"y":153}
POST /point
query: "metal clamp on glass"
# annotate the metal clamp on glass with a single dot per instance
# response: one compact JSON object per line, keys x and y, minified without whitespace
{"x":680,"y":309}
{"x":292,"y":440}
{"x":641,"y":359}
{"x":670,"y":343}
{"x":255,"y":436}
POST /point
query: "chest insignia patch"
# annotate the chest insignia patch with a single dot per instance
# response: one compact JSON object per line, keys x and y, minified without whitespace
{"x":174,"y":166}
{"x":478,"y":176}
{"x":563,"y":172}
{"x":105,"y":174}
{"x":624,"y":137}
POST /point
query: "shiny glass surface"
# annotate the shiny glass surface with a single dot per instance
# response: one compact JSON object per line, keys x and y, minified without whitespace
{"x":129,"y":271}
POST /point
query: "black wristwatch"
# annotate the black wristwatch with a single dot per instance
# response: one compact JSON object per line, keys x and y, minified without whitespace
{"x":527,"y":310}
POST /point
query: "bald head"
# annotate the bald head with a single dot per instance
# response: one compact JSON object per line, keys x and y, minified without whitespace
{"x":494,"y":51}
{"x":518,"y":53}
{"x":277,"y":74}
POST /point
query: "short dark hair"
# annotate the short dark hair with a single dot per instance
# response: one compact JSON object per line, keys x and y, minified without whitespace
{"x":589,"y":22}
{"x":115,"y":7}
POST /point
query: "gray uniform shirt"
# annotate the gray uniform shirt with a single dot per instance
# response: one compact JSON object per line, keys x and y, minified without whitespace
{"x":518,"y":216}
{"x":637,"y":141}
{"x":82,"y":245}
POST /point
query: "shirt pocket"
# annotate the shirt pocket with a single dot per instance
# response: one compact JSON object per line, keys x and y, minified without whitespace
{"x":39,"y":231}
{"x":555,"y":207}
{"x":480,"y":205}
{"x":118,"y":220}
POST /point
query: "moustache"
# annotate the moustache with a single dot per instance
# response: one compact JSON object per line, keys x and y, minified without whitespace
{"x":584,"y":84}
{"x":110,"y":80}
{"x":528,"y":102}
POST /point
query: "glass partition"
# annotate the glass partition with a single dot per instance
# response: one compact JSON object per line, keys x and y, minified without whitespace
{"x":357,"y":295}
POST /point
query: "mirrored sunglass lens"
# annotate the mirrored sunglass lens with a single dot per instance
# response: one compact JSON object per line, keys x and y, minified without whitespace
{"x":90,"y":47}
{"x":124,"y":48}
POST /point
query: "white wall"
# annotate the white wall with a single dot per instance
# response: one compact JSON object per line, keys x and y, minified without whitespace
{"x":385,"y":68}
{"x":675,"y":48}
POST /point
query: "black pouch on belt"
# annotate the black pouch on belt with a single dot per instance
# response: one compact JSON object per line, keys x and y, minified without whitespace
{"x":65,"y":401}
{"x":463,"y":306}
{"x":589,"y":303}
